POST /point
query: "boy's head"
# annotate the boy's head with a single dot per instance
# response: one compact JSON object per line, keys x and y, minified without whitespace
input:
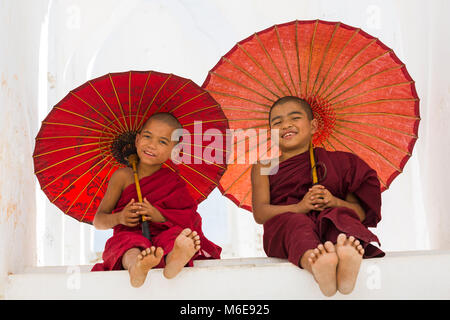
{"x":154,"y":142}
{"x":294,"y":119}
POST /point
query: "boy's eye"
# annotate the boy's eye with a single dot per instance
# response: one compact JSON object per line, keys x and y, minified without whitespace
{"x":163,"y":142}
{"x":276,"y":123}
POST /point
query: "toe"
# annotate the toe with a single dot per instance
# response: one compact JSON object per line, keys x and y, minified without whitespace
{"x":356,"y":243}
{"x":321,"y":248}
{"x":159,"y":252}
{"x":329,"y":246}
{"x":186,"y":232}
{"x":351,"y":239}
{"x":341,"y":239}
{"x":316,"y":252}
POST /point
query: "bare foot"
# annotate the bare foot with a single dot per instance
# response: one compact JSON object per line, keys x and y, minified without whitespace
{"x":186,"y":245}
{"x":146,"y":260}
{"x":350,"y":253}
{"x":323,"y":262}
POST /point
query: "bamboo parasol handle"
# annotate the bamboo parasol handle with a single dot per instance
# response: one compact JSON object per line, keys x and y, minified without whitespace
{"x":133,"y":159}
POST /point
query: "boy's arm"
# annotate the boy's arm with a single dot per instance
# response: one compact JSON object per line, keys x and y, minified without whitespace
{"x":104,"y":218}
{"x":262,"y":209}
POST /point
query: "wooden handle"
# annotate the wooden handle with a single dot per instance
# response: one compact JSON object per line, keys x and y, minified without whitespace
{"x":313,"y":164}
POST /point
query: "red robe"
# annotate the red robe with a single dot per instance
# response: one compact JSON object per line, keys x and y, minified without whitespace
{"x":289,"y":235}
{"x":167,"y":192}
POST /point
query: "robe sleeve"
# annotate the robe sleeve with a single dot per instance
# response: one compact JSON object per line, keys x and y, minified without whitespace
{"x":176,"y":205}
{"x":362,"y":181}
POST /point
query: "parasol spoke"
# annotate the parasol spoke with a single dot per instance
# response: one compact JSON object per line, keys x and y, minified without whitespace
{"x":367,"y":79}
{"x":379,"y":126}
{"x":346,"y":65}
{"x":129,"y":97}
{"x":79,"y":177}
{"x":375,"y":101}
{"x":96,"y":192}
{"x":345,"y":146}
{"x":376,"y":138}
{"x":186,"y":180}
{"x":241,"y":85}
{"x":175,"y":93}
{"x":76,"y":126}
{"x":198,"y":110}
{"x":153,"y":100}
{"x":135,"y":126}
{"x":325,"y":54}
{"x":371,"y":149}
{"x":356,"y":72}
{"x":239,"y":98}
{"x":109,"y":108}
{"x":108,"y":120}
{"x":86,"y":118}
{"x":311,"y":46}
{"x":201,"y":174}
{"x":332,"y":146}
{"x":273,"y":63}
{"x":298,"y":59}
{"x":378,"y":114}
{"x":66,"y":172}
{"x":205,"y":121}
{"x":245,"y":110}
{"x":261,"y":68}
{"x":71,"y":158}
{"x":187,"y":101}
{"x":74,"y":137}
{"x":70,"y":147}
{"x":285,"y":60}
{"x":118,"y":102}
{"x":369,"y":91}
{"x":84,"y":188}
{"x":336,"y":59}
{"x":248,"y":74}
{"x":200,"y":158}
{"x":244,"y":172}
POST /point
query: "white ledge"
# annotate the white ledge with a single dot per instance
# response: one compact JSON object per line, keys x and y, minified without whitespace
{"x":399,"y":275}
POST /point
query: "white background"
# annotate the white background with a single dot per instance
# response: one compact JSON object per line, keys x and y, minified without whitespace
{"x":49,"y":47}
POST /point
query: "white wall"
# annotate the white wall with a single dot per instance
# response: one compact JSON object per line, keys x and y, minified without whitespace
{"x":87,"y":39}
{"x":19,"y":52}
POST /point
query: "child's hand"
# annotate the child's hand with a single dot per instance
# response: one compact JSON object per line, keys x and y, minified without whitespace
{"x":321,"y":198}
{"x":128,"y":216}
{"x":144,"y":209}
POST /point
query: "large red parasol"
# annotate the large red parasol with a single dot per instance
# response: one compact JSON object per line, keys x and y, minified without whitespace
{"x":359,"y":90}
{"x":80,"y":143}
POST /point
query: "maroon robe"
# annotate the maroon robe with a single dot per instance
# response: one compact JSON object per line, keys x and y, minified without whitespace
{"x":289,"y":235}
{"x":167,"y":192}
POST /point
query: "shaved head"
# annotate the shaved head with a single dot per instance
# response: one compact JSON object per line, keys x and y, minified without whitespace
{"x":165,"y":117}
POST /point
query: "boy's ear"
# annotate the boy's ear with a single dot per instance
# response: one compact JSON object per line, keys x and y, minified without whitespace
{"x":314,"y":126}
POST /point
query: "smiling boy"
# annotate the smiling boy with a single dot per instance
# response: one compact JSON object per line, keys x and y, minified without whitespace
{"x":175,"y":225}
{"x":321,"y":228}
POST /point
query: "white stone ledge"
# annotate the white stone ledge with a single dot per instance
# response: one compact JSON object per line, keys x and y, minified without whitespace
{"x":399,"y":275}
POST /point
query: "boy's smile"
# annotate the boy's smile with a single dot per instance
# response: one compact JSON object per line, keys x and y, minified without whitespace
{"x":153,"y":143}
{"x":295,"y":128}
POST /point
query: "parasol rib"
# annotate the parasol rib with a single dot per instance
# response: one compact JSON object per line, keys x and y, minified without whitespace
{"x":285,"y":60}
{"x":107,"y":106}
{"x":248,"y":74}
{"x":96,"y":192}
{"x":335,"y":60}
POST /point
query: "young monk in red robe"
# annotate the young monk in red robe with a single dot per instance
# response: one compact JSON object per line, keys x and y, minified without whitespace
{"x":323,"y":227}
{"x":175,"y":226}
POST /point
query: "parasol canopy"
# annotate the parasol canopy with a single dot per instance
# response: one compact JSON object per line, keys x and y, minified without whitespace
{"x":80,"y":142}
{"x":360,"y":92}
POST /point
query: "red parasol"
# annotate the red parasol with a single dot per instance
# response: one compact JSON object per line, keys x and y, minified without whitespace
{"x":80,"y":143}
{"x":360,"y":92}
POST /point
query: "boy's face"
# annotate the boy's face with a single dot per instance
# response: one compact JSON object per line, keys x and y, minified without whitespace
{"x":153,"y":143}
{"x":295,"y":129}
